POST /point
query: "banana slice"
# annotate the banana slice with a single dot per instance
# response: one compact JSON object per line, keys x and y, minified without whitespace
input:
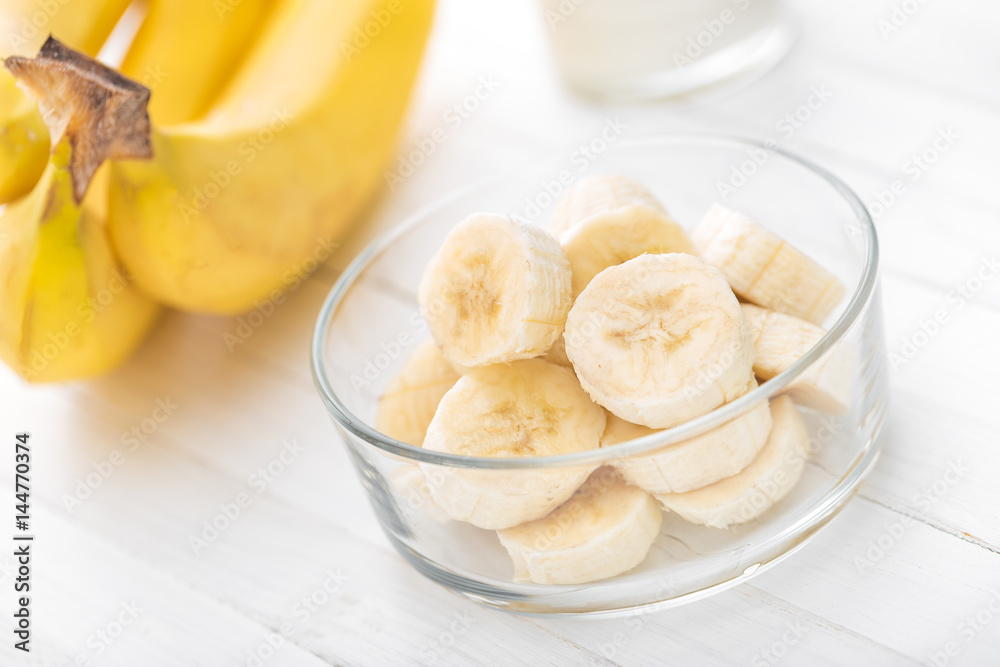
{"x":692,"y":464}
{"x":780,"y":340}
{"x":406,"y":408}
{"x":660,"y":340}
{"x":599,"y":195}
{"x":763,"y":268}
{"x":523,"y":409}
{"x":616,"y":237}
{"x":618,"y":220}
{"x":414,"y":493}
{"x":767,"y":480}
{"x":605,"y":529}
{"x":497,"y":291}
{"x":557,"y":353}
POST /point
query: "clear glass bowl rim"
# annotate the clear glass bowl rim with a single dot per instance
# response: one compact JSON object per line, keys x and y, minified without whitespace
{"x":358,"y":427}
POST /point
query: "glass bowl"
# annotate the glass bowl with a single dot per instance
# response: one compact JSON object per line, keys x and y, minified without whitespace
{"x":642,"y":49}
{"x":370,"y":323}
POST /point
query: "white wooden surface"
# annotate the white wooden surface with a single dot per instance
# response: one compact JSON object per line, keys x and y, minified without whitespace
{"x":309,"y":532}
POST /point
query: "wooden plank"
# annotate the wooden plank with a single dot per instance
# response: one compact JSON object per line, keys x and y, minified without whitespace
{"x":273,"y":553}
{"x":130,"y":538}
{"x":92,"y":604}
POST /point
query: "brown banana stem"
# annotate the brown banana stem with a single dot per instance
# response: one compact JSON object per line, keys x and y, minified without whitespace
{"x":101,"y":112}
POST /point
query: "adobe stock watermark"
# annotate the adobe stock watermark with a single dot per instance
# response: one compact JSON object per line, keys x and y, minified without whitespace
{"x":453,"y":118}
{"x":963,"y":293}
{"x":898,"y":17}
{"x":302,"y":610}
{"x":787,"y":125}
{"x":86,"y":312}
{"x":970,"y":628}
{"x":376,"y":364}
{"x":247,"y":151}
{"x":432,"y":650}
{"x":258,"y":482}
{"x":924,"y":499}
{"x":633,"y":623}
{"x":784,"y":478}
{"x":291,"y":280}
{"x":363,"y":35}
{"x":556,"y":16}
{"x":225,"y":8}
{"x":153,"y":77}
{"x":101,"y":639}
{"x":579,"y":160}
{"x":720,"y":365}
{"x":712,"y":29}
{"x":912,"y":170}
{"x":778,"y":649}
{"x":36,"y":23}
{"x":419,"y":496}
{"x":131,"y":439}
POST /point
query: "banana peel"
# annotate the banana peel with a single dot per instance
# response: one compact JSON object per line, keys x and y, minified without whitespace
{"x":24,"y":139}
{"x":187,"y":50}
{"x":68,"y":308}
{"x":71,"y":306}
{"x":235,"y":203}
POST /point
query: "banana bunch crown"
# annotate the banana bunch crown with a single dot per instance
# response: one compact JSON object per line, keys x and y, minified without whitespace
{"x":101,"y":113}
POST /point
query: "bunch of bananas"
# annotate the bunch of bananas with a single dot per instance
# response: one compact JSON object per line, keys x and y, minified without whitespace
{"x":268,"y":125}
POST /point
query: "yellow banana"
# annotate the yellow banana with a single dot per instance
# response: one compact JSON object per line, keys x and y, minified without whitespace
{"x":24,"y":25}
{"x":24,"y":141}
{"x":232,"y":203}
{"x":186,"y":51}
{"x":83,"y":25}
{"x":67,"y":307}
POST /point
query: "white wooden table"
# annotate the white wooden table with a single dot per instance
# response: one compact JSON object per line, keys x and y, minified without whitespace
{"x":908,"y":573}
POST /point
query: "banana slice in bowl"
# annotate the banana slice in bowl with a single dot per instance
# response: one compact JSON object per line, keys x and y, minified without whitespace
{"x":600,"y":195}
{"x":606,"y":528}
{"x":765,"y":269}
{"x":650,"y":343}
{"x":705,"y":459}
{"x":780,"y":340}
{"x":522,"y":409}
{"x":747,"y":495}
{"x":610,"y":220}
{"x":414,"y":492}
{"x":557,"y":353}
{"x":498,"y":290}
{"x":659,"y":340}
{"x":408,"y":404}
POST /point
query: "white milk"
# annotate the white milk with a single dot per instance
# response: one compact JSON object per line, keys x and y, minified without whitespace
{"x":659,"y":47}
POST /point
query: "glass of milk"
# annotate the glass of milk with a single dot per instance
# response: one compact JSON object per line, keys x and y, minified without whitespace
{"x":658,"y":48}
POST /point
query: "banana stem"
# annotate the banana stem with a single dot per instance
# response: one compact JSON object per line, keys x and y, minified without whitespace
{"x":99,"y":111}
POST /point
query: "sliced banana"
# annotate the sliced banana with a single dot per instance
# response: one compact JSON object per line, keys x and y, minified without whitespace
{"x":614,"y":229}
{"x":557,"y":353}
{"x":691,"y":464}
{"x":498,"y":290}
{"x":599,"y":195}
{"x":763,"y":268}
{"x":613,"y":238}
{"x":660,"y":340}
{"x":522,"y":409}
{"x":746,"y":496}
{"x":414,"y":493}
{"x":606,"y":528}
{"x":409,"y":402}
{"x":781,"y":340}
